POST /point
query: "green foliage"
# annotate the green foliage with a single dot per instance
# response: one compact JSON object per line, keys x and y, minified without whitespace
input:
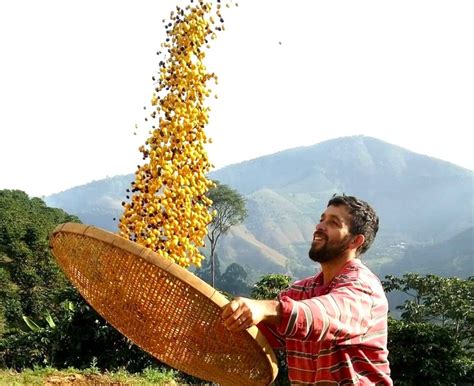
{"x":230,"y":208}
{"x":30,"y":279}
{"x":32,"y":324}
{"x":232,"y":282}
{"x":89,"y":376}
{"x":77,"y":338}
{"x":432,"y":344}
{"x":269,"y":286}
{"x":158,"y":376}
{"x":40,"y":344}
{"x":426,"y":354}
{"x":45,"y":321}
{"x":448,"y":302}
{"x":10,"y":305}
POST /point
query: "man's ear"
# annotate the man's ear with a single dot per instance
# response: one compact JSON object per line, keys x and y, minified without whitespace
{"x":357,"y":241}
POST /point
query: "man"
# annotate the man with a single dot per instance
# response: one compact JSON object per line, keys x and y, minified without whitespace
{"x":332,"y":325}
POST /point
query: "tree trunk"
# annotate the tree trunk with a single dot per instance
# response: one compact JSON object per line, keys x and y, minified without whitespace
{"x":213,"y":264}
{"x":213,"y":270}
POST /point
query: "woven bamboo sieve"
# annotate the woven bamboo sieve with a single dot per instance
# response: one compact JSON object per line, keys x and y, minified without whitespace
{"x":161,"y":307}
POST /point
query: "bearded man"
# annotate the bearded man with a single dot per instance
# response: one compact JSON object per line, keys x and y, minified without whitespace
{"x":333,"y":325}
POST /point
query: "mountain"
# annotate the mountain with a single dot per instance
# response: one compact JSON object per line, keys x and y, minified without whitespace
{"x":452,"y":256}
{"x":421,"y":201}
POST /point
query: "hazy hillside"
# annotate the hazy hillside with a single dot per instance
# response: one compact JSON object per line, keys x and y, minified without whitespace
{"x":96,"y":203}
{"x":399,"y":183}
{"x":420,"y":200}
{"x":454,"y":257}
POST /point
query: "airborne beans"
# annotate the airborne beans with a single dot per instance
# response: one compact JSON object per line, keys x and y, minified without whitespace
{"x":168,"y":210}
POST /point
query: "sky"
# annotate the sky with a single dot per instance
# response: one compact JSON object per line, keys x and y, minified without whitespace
{"x":76,"y":75}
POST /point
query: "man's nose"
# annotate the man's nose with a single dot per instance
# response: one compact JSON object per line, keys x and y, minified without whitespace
{"x":320,"y":226}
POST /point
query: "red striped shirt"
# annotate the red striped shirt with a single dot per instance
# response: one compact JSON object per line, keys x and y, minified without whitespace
{"x":335,"y":333}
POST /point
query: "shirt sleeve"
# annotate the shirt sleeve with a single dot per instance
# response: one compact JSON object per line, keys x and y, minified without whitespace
{"x":342,"y":314}
{"x":273,"y":337}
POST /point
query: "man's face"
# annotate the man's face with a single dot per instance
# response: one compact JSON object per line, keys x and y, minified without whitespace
{"x":331,"y":237}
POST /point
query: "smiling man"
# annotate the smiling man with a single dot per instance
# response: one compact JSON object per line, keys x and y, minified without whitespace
{"x":333,"y":325}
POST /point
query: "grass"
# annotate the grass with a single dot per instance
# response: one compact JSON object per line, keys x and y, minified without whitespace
{"x":51,"y":376}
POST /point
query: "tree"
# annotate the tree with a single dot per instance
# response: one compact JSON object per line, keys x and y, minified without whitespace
{"x":233,"y":280}
{"x":439,"y":300}
{"x":229,"y":208}
{"x":432,"y":343}
{"x":427,"y":354}
{"x":269,"y":286}
{"x":205,"y":270}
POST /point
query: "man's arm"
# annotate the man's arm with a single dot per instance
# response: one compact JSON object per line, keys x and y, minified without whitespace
{"x":241,"y":313}
{"x":344,"y":314}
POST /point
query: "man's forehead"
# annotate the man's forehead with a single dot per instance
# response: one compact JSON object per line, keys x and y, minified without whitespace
{"x":339,"y":211}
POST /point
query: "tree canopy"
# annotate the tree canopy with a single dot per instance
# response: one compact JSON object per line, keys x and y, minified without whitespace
{"x":269,"y":286}
{"x":233,"y":281}
{"x":445,"y":301}
{"x":432,"y":343}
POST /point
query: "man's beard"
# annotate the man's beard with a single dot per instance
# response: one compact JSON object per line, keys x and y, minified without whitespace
{"x":328,"y":252}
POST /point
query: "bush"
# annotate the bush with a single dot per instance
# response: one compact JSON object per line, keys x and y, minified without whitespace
{"x":427,"y":354}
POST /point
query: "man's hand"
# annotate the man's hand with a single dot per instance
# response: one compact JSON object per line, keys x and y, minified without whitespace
{"x":242,"y":313}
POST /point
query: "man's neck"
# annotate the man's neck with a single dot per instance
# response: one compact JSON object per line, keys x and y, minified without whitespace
{"x":333,"y":267}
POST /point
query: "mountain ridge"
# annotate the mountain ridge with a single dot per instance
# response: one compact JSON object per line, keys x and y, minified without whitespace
{"x":418,"y":198}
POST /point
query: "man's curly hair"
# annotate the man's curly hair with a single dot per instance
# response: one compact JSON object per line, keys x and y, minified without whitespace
{"x":364,"y":220}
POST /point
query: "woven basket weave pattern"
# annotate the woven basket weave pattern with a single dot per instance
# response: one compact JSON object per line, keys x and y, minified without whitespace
{"x":158,"y":311}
